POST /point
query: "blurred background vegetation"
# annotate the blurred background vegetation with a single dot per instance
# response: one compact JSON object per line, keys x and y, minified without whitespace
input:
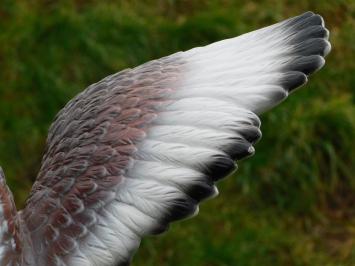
{"x":293,"y":203}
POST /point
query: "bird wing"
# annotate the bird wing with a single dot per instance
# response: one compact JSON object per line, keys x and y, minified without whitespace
{"x":143,"y":147}
{"x":10,"y":246}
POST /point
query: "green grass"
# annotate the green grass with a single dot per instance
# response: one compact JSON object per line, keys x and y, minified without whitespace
{"x":290,"y":204}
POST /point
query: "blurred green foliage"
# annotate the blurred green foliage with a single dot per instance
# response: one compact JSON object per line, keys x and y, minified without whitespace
{"x":290,"y":204}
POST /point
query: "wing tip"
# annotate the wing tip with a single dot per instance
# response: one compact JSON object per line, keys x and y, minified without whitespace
{"x":309,"y":47}
{"x":309,"y":28}
{"x":307,"y":34}
{"x":304,"y":20}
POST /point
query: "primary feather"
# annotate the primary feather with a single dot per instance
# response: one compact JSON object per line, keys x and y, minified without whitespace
{"x":143,"y":147}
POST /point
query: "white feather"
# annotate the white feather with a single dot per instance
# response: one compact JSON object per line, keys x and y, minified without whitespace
{"x":150,"y":197}
{"x":178,"y":154}
{"x":191,"y":135}
{"x":217,"y":120}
